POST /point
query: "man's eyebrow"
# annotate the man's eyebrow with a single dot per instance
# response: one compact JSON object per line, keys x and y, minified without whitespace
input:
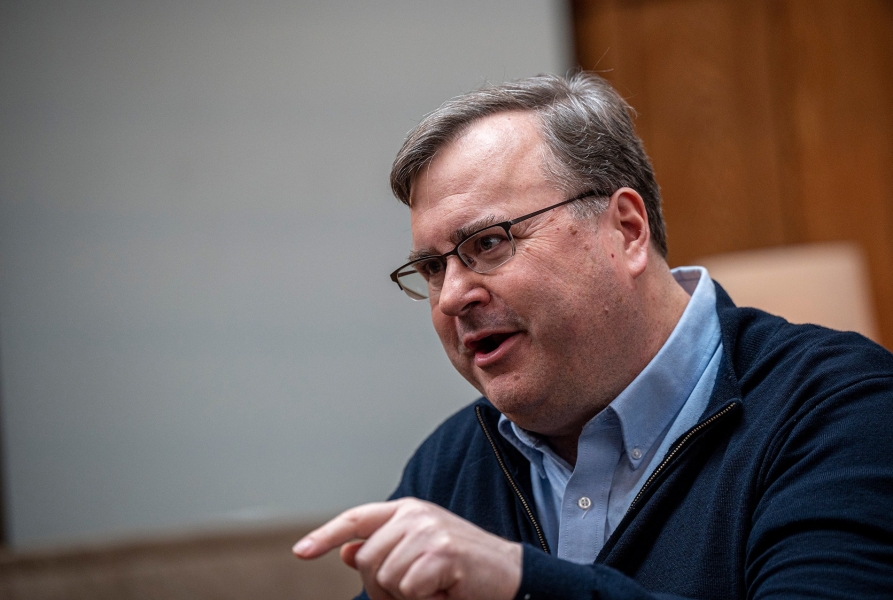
{"x":473,"y":227}
{"x":421,"y":253}
{"x":457,"y":236}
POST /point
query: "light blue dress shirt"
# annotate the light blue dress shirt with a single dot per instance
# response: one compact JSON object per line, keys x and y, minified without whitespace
{"x":578,"y":507}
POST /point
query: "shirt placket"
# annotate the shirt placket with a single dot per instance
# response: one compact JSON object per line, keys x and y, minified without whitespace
{"x":584,"y":507}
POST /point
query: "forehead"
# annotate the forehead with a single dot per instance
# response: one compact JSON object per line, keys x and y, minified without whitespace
{"x":494,"y":168}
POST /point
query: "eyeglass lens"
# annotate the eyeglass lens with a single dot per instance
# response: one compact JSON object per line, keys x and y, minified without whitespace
{"x":481,"y":252}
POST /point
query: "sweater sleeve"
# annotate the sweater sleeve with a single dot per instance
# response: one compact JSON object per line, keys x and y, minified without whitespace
{"x":546,"y":577}
{"x":822,"y":526}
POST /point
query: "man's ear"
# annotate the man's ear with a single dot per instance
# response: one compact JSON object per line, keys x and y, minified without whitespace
{"x":631,"y":220}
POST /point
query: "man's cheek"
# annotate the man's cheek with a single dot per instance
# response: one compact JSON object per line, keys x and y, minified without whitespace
{"x":447,"y":334}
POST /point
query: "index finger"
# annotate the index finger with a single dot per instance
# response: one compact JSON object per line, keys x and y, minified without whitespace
{"x":358,"y":522}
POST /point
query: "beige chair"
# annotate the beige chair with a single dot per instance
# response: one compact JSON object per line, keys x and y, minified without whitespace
{"x":826,"y":284}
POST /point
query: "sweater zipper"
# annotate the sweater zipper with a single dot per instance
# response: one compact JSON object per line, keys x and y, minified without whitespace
{"x":511,"y":480}
{"x":675,"y":450}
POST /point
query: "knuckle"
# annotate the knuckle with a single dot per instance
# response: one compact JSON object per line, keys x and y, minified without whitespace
{"x":385,"y":581}
{"x":412,"y":506}
{"x":408,"y":589}
{"x":428,"y":522}
{"x":352,"y":516}
{"x":443,"y":544}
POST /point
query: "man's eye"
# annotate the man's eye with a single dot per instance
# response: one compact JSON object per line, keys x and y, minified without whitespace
{"x":429,"y":268}
{"x":489,"y":242}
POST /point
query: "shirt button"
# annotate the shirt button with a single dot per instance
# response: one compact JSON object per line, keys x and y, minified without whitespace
{"x":584,"y":503}
{"x":636,"y":454}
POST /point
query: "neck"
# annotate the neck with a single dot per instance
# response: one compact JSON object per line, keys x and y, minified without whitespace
{"x":565,"y":446}
{"x":662,"y":303}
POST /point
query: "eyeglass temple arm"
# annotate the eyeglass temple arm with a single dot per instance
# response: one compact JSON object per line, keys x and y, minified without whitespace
{"x":585,"y":194}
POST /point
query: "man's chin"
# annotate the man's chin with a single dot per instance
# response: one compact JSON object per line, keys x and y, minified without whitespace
{"x":513,"y":399}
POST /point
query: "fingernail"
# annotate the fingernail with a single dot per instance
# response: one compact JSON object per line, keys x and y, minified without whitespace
{"x":302,"y":546}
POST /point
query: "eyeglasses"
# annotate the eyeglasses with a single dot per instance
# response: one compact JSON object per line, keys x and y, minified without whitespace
{"x":482,"y":251}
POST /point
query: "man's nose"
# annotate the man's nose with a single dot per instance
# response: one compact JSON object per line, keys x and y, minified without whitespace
{"x":462,"y":289}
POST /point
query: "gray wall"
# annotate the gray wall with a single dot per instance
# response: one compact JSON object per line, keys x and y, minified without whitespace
{"x":196,"y":324}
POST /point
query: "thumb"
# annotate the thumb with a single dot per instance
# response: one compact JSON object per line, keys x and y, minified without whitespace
{"x":349,"y":553}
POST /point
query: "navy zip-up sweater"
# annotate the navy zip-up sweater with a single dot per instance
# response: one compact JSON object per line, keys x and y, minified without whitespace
{"x":784,"y":489}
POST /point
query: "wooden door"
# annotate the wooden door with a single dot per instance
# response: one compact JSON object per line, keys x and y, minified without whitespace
{"x":769,"y":122}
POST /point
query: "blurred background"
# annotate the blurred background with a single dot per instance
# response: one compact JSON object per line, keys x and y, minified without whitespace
{"x":197,"y":330}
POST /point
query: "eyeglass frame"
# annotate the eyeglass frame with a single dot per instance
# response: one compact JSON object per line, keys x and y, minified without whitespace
{"x":505,"y":225}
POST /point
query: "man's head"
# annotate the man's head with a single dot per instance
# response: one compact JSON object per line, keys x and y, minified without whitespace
{"x":586,"y":127}
{"x":554,"y":333}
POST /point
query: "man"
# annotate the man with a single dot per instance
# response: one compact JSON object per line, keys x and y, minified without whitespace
{"x":641,"y":436}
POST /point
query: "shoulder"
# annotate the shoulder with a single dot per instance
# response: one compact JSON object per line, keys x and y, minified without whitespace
{"x":811,"y":384}
{"x":765,"y":349}
{"x":771,"y":350}
{"x":802,"y":384}
{"x":456,"y":436}
{"x":810,"y":395}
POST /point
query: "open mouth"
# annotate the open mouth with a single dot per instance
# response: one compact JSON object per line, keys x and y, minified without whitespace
{"x":490,"y":343}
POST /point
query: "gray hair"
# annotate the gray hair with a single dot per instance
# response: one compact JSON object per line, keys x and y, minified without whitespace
{"x":586,"y":126}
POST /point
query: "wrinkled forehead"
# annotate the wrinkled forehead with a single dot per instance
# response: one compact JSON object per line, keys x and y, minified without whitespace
{"x":440,"y":224}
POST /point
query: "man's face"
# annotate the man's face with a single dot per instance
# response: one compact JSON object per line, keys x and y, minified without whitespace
{"x":538,"y":336}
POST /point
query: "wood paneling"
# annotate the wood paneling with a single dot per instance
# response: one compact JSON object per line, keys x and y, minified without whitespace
{"x":768,"y":122}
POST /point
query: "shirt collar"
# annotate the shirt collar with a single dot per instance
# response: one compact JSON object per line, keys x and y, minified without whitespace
{"x":530,"y":445}
{"x":651,"y":402}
